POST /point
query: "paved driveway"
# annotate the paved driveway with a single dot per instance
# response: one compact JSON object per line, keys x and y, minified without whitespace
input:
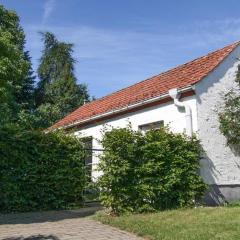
{"x":58,"y":225}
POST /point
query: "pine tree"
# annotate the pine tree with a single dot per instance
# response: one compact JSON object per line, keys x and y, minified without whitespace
{"x":57,"y":93}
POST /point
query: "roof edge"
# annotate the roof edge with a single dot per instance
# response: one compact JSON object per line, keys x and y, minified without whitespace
{"x":115,"y":111}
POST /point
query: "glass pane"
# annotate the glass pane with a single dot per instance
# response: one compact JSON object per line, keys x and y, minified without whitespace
{"x":153,"y":125}
{"x":88,"y":149}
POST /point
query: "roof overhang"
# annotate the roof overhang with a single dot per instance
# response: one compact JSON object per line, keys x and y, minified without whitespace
{"x":185,"y":91}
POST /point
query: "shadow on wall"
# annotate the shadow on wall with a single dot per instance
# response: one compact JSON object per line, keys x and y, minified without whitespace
{"x":35,"y":237}
{"x":214,"y":196}
{"x":218,"y":194}
{"x":235,"y":150}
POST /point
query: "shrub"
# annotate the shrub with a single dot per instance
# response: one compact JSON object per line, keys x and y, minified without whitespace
{"x":39,"y":171}
{"x":155,"y":171}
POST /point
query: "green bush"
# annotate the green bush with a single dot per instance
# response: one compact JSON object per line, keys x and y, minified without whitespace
{"x":39,"y":171}
{"x":155,"y":171}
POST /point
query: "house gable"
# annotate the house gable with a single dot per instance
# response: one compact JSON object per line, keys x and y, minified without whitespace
{"x":220,"y":165}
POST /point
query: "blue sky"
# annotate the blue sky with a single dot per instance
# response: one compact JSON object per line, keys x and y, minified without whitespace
{"x":120,"y":42}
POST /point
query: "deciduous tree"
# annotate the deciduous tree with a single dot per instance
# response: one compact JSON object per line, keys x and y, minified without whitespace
{"x":16,"y":80}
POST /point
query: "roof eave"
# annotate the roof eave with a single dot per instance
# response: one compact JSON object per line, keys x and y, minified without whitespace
{"x":123,"y":109}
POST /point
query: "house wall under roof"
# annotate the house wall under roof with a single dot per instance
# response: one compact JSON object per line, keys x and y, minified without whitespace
{"x":167,"y":112}
{"x":220,"y":167}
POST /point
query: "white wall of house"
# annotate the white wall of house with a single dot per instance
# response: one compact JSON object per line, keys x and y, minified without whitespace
{"x":166,"y":112}
{"x":221,"y":166}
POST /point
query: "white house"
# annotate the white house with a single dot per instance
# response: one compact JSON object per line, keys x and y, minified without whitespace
{"x":186,"y":98}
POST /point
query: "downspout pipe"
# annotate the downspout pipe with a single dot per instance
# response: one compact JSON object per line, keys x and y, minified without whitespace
{"x":174,"y":94}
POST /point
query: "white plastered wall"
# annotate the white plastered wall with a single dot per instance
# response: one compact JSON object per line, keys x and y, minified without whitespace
{"x":221,"y":166}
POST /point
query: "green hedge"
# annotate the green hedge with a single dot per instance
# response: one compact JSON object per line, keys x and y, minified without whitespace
{"x":39,"y":171}
{"x":155,"y":171}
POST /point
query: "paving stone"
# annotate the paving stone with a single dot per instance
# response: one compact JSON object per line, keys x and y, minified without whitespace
{"x":58,"y":225}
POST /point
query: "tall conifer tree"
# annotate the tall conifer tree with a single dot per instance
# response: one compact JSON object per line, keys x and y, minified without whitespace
{"x":57,"y":93}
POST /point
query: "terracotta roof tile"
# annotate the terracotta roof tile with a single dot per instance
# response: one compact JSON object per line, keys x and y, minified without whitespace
{"x":178,"y":77}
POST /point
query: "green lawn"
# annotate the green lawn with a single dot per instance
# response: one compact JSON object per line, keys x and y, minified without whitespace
{"x":185,"y":224}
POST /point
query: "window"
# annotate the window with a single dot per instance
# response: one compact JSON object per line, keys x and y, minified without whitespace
{"x":87,"y":141}
{"x":153,"y":125}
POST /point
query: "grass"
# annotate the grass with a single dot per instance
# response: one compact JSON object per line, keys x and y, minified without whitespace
{"x":221,"y":223}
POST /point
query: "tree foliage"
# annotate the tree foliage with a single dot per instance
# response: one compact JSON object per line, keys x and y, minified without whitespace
{"x":39,"y":171}
{"x":57,"y":92}
{"x":149,"y":172}
{"x":230,"y":115}
{"x":16,"y":81}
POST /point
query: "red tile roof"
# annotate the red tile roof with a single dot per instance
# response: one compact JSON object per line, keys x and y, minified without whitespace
{"x":178,"y":77}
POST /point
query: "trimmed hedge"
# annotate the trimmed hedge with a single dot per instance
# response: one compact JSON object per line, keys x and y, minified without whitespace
{"x":39,"y":171}
{"x":147,"y":172}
